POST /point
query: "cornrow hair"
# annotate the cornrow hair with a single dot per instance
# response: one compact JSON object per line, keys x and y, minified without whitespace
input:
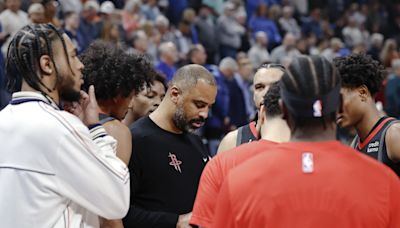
{"x":24,"y":52}
{"x":311,"y":77}
{"x":360,"y":69}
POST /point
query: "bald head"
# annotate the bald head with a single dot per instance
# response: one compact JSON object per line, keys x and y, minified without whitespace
{"x":168,"y":53}
{"x":187,"y":76}
{"x":289,"y":40}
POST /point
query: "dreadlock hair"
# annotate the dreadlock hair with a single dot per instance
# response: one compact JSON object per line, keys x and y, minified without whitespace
{"x":360,"y":69}
{"x":310,"y":77}
{"x":113,"y":72}
{"x":271,"y":100}
{"x":24,"y":52}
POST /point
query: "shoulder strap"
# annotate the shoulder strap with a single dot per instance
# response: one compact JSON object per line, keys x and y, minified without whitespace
{"x":382,"y":140}
{"x":239,"y":136}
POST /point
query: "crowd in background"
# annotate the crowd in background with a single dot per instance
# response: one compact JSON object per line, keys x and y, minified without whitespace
{"x":230,"y":38}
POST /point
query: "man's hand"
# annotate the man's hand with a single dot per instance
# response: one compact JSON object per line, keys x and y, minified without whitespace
{"x":86,"y":109}
{"x":183,"y":221}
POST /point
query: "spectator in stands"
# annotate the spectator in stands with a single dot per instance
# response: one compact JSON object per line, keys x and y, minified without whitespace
{"x":71,"y":6}
{"x":50,"y":10}
{"x":207,"y":33}
{"x":197,"y":55}
{"x":36,"y":13}
{"x":258,"y":53}
{"x":168,"y":58}
{"x":150,"y":10}
{"x":241,"y":18}
{"x":260,"y":22}
{"x":107,"y":8}
{"x":240,"y":108}
{"x":218,"y":122}
{"x":183,"y":39}
{"x":89,"y":25}
{"x":312,"y":24}
{"x":139,"y":43}
{"x":376,"y":46}
{"x":287,"y":49}
{"x":288,"y":24}
{"x":162,"y":25}
{"x":333,"y":51}
{"x":131,"y":16}
{"x":389,"y":52}
{"x":352,"y":33}
{"x":71,"y":21}
{"x":392,"y":91}
{"x":175,"y":10}
{"x":229,"y":32}
{"x":110,"y":32}
{"x":12,"y":19}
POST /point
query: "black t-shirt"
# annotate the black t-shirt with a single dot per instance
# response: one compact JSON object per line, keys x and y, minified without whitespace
{"x":165,"y":171}
{"x":375,"y":143}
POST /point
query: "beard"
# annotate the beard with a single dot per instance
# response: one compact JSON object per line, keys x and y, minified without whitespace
{"x":182,"y":123}
{"x":67,"y":91}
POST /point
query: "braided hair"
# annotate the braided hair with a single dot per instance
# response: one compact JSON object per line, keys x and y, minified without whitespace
{"x":311,"y":77}
{"x":24,"y":52}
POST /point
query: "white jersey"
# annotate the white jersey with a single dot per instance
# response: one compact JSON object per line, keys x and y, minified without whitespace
{"x":54,"y":171}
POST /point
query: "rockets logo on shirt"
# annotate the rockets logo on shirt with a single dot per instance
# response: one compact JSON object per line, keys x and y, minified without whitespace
{"x":175,"y":162}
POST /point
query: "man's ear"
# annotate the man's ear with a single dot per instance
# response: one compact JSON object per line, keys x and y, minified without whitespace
{"x":174,"y":93}
{"x":45,"y":65}
{"x":363,"y":93}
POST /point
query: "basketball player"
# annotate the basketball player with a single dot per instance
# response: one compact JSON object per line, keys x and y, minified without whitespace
{"x":377,"y":136}
{"x":264,"y":77}
{"x":314,"y":180}
{"x":273,"y":131}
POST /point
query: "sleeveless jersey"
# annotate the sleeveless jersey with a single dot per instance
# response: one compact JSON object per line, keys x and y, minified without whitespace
{"x":375,"y":146}
{"x":246,"y":134}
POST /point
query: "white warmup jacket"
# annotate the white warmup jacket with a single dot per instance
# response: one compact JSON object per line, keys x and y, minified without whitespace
{"x":54,"y":171}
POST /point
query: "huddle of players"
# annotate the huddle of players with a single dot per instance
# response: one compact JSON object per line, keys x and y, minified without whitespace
{"x":309,"y":181}
{"x":295,"y":175}
{"x":312,"y":180}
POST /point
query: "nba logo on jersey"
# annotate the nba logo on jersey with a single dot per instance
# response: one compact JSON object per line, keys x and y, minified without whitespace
{"x":317,"y":108}
{"x":307,"y":162}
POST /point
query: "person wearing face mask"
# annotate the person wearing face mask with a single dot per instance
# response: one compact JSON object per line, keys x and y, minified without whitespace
{"x":167,"y":158}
